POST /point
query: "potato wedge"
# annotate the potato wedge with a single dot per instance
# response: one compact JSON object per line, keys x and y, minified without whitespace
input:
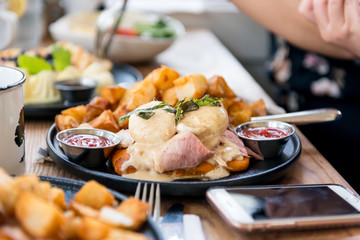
{"x":219,"y":88}
{"x":113,"y":94}
{"x":38,"y":217}
{"x":192,"y":86}
{"x":169,"y":96}
{"x":77,"y":112}
{"x":94,"y":195}
{"x":106,"y":121}
{"x":162,"y":77}
{"x":63,"y":122}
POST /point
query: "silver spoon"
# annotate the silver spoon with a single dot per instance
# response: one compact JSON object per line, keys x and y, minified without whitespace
{"x":304,"y":117}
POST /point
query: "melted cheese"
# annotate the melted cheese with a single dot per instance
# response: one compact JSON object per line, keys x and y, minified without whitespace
{"x":207,"y":123}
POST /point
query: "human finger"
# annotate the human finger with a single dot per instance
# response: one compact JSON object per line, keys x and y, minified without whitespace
{"x":336,"y":13}
{"x":306,"y":9}
{"x":321,"y":13}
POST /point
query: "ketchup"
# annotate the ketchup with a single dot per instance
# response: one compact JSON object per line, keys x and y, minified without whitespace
{"x":87,"y":140}
{"x":264,"y":133}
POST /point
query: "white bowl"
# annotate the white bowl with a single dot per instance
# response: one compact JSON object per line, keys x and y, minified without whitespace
{"x":79,"y":28}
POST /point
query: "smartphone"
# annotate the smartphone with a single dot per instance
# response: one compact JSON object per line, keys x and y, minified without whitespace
{"x":281,"y":207}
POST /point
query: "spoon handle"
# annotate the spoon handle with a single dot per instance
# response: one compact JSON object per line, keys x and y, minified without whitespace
{"x":304,"y":117}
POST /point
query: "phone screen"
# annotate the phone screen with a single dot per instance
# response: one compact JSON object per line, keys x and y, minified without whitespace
{"x":276,"y":203}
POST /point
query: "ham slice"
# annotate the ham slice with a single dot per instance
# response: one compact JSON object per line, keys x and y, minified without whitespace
{"x":244,"y":150}
{"x":184,"y":150}
{"x":236,"y":140}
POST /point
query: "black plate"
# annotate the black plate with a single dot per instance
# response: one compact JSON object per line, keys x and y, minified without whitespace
{"x":71,"y":187}
{"x":259,"y":172}
{"x":124,"y":75}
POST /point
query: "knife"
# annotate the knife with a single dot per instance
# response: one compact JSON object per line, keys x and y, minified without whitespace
{"x":172,"y":226}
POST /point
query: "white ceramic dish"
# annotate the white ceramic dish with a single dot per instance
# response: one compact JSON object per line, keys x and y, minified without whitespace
{"x":79,"y":28}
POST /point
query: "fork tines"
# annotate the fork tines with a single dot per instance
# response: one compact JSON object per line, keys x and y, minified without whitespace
{"x":154,"y":202}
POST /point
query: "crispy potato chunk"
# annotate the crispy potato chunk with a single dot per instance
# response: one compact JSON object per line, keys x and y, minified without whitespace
{"x":236,"y":118}
{"x":106,"y":121}
{"x":140,"y":93}
{"x":94,"y":195}
{"x":96,"y":106}
{"x":116,"y":234}
{"x":134,"y":209}
{"x":192,"y":86}
{"x":38,"y":217}
{"x":63,"y":122}
{"x":169,"y":96}
{"x":77,"y":112}
{"x":219,"y":88}
{"x":120,"y":111}
{"x":92,"y":229}
{"x":162,"y":77}
{"x":113,"y":94}
{"x":258,"y":108}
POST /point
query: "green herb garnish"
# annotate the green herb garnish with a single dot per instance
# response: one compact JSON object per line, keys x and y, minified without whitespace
{"x":33,"y":64}
{"x":192,"y":104}
{"x":182,"y":107}
{"x":145,"y":113}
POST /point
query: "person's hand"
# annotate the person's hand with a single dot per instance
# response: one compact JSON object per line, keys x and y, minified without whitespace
{"x":338,"y":21}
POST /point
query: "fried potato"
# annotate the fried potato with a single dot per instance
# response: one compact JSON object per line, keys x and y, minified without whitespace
{"x":134,"y":209}
{"x":236,"y":118}
{"x":94,"y":195}
{"x":38,"y":217}
{"x":78,"y":112}
{"x":116,"y":234}
{"x":169,"y":96}
{"x":63,"y":122}
{"x":96,"y":106}
{"x":162,"y":77}
{"x":140,"y":93}
{"x":219,"y":88}
{"x":192,"y":86}
{"x":258,"y":108}
{"x":106,"y":121}
{"x":120,"y":111}
{"x":92,"y":229}
{"x":113,"y":94}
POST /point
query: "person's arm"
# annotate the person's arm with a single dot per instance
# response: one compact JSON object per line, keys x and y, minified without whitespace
{"x":283,"y":18}
{"x":337,"y":20}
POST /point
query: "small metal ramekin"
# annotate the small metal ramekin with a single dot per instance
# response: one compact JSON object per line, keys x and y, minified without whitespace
{"x":89,"y":157}
{"x":270,"y":147}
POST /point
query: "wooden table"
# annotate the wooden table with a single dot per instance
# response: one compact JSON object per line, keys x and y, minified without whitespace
{"x":208,"y":56}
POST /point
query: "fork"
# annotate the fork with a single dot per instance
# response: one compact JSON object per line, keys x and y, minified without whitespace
{"x":104,"y":22}
{"x":153,"y":201}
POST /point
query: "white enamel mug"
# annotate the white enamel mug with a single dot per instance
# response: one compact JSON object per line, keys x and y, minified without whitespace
{"x":12,"y":125}
{"x":8,"y":28}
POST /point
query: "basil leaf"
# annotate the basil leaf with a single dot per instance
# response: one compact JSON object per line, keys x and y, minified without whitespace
{"x":33,"y":64}
{"x":146,"y":115}
{"x":143,"y":111}
{"x":62,"y":58}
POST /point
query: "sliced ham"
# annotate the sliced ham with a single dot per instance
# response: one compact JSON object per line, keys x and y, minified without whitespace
{"x":184,"y":150}
{"x":236,"y":140}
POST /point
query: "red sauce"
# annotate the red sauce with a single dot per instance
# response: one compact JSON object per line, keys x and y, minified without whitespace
{"x":264,"y":133}
{"x":87,"y":140}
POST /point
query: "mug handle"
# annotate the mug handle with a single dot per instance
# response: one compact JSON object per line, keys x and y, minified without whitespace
{"x":8,"y":28}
